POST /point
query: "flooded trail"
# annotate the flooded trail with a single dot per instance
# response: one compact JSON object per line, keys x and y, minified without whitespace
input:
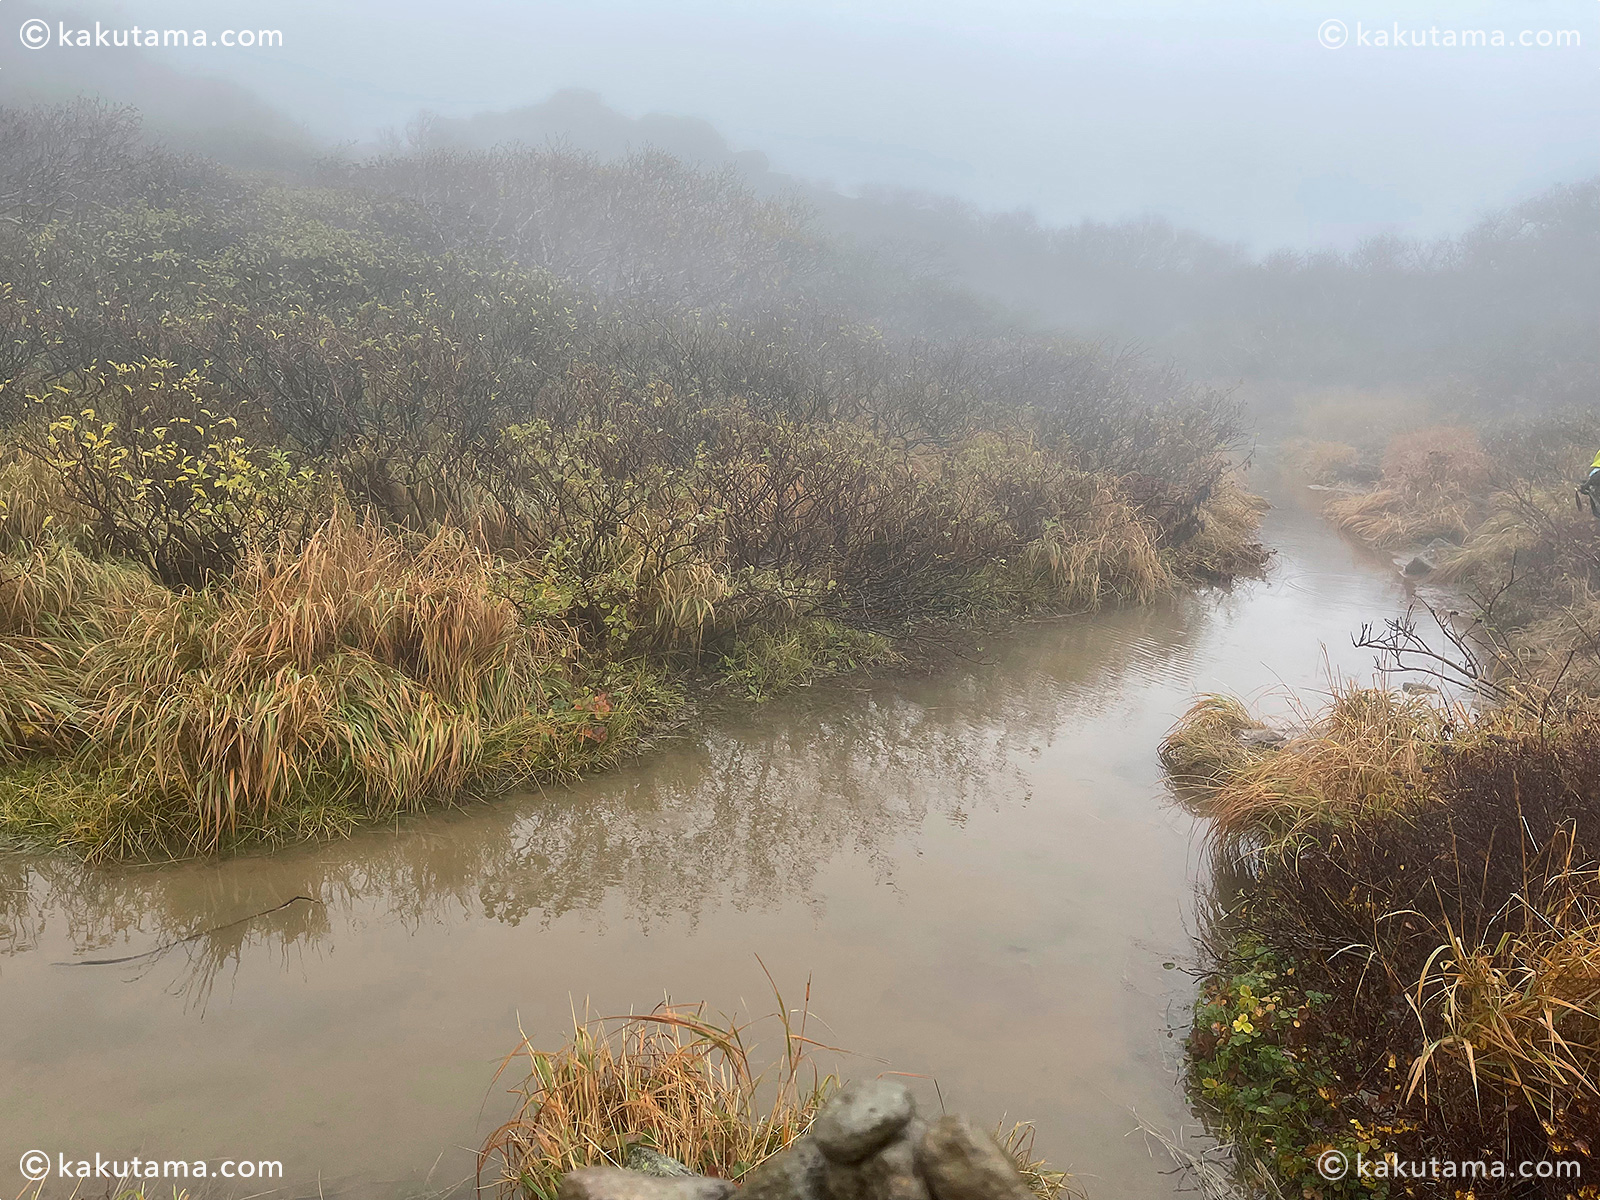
{"x":980,"y":873}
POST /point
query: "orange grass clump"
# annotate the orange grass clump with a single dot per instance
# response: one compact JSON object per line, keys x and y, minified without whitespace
{"x":354,"y":677}
{"x":1435,"y":484}
{"x":673,"y":1080}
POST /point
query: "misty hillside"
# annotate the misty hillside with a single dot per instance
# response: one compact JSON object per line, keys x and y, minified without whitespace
{"x":1475,"y":315}
{"x":1477,"y":310}
{"x":1506,"y":310}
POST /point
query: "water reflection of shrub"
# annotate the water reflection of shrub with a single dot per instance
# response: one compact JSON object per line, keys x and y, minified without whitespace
{"x":745,"y":814}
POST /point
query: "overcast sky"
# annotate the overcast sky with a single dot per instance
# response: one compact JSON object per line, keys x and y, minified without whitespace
{"x":1232,"y":118}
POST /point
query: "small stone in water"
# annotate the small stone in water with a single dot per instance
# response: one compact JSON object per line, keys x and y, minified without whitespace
{"x":1264,"y":736}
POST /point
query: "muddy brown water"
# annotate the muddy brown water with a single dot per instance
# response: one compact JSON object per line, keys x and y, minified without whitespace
{"x":979,"y":872}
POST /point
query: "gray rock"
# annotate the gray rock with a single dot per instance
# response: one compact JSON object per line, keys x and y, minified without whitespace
{"x":1265,"y":737}
{"x":860,"y":1118}
{"x":961,"y":1163}
{"x":653,"y":1162}
{"x":1418,"y":566}
{"x":613,"y":1183}
{"x":889,"y":1174}
{"x":791,"y":1174}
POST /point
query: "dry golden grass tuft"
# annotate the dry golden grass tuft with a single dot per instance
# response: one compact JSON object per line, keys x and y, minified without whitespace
{"x":674,"y":1080}
{"x":1366,"y":756}
{"x":1204,"y":747}
{"x":1523,"y":1014}
{"x":358,"y":676}
{"x":31,"y":500}
{"x":1106,"y":554}
{"x":1435,"y":484}
{"x":1224,"y":542}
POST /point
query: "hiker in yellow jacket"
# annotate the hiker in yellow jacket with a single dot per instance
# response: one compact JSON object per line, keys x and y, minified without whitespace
{"x":1590,"y":487}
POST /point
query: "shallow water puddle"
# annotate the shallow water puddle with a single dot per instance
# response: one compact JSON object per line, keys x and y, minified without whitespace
{"x":979,"y":872}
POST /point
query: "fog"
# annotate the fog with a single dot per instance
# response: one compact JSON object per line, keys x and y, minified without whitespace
{"x":408,"y":404}
{"x":1230,"y":119}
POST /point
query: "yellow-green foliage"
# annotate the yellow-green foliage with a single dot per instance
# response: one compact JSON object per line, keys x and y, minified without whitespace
{"x":160,"y":472}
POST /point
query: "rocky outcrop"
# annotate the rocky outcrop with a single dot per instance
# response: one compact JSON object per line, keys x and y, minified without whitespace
{"x":867,"y":1144}
{"x":963,"y":1163}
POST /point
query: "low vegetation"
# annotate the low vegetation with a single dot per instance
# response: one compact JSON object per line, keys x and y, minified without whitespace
{"x":332,"y":496}
{"x":1433,"y":483}
{"x":1496,"y":516}
{"x":1404,"y":955}
{"x":679,"y":1082}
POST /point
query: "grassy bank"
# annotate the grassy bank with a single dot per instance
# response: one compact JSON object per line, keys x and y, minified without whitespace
{"x":1402,"y":961}
{"x":329,"y":497}
{"x":1404,"y":957}
{"x":1493,"y":511}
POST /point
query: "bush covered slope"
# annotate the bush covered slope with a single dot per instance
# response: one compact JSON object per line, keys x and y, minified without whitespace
{"x":325,"y":497}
